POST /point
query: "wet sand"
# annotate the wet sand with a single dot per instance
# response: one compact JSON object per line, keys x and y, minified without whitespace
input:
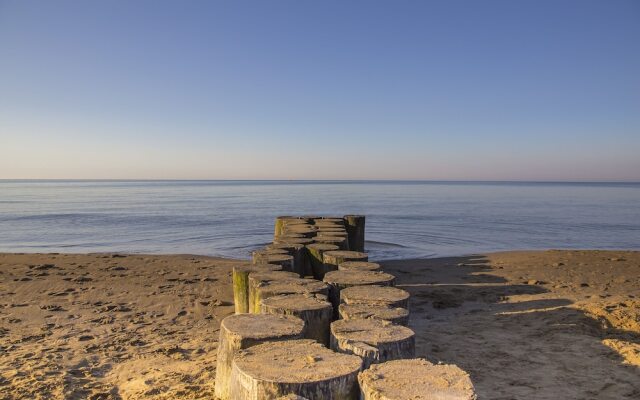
{"x":525,"y":325}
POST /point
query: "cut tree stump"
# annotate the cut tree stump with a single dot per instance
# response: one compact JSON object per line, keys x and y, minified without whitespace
{"x":375,"y":295}
{"x":332,"y":233}
{"x":395,"y":315}
{"x":258,"y":255}
{"x":332,"y":259}
{"x":287,"y":239}
{"x":240,"y":277}
{"x":339,"y":280}
{"x":415,"y":379}
{"x":313,"y":309}
{"x":374,"y":340}
{"x":298,"y":252}
{"x":284,"y":260}
{"x":304,"y":230}
{"x":282,"y":222}
{"x":245,"y":330}
{"x":261,"y":277}
{"x":315,"y":252}
{"x":328,"y":220}
{"x":341,"y":242}
{"x":355,"y":228}
{"x":359,"y":266}
{"x":302,"y":367}
{"x":265,"y":290}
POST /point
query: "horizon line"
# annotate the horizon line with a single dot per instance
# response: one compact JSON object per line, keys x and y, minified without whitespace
{"x":315,"y":180}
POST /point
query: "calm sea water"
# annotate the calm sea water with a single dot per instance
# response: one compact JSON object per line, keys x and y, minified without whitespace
{"x":230,"y":218}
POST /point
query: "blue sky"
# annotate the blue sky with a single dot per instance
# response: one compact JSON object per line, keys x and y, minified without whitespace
{"x":469,"y":90}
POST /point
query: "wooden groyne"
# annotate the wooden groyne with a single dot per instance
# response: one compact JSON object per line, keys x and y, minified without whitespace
{"x":316,"y":319}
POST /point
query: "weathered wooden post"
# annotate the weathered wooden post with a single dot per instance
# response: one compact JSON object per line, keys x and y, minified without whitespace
{"x":339,"y":280}
{"x":282,"y":223}
{"x":315,"y":252}
{"x":302,"y":367}
{"x":313,"y":309}
{"x":374,"y":340}
{"x":355,"y":228}
{"x":301,"y":229}
{"x":395,"y":315}
{"x":341,"y":242}
{"x":245,"y":330}
{"x":258,"y":255}
{"x":415,"y":379}
{"x":332,"y":259}
{"x":240,"y":277}
{"x":375,"y":295}
{"x":297,"y":251}
{"x":289,"y":286}
{"x":260,"y":278}
{"x":284,"y":260}
{"x":359,"y":266}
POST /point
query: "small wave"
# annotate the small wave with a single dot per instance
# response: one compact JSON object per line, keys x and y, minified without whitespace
{"x":385,"y":244}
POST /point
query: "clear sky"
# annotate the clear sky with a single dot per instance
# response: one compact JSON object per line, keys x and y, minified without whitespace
{"x":469,"y":90}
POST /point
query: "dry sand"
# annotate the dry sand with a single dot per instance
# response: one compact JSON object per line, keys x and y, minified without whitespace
{"x":525,"y":325}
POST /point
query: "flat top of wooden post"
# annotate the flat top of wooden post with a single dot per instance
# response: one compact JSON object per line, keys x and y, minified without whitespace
{"x":347,"y":254}
{"x":322,"y":246}
{"x":359,"y":266}
{"x":373,"y":294}
{"x":358,"y":277}
{"x":417,"y":379}
{"x":295,"y":361}
{"x":294,"y":240}
{"x":297,"y":285}
{"x":364,"y":311}
{"x":297,"y":302}
{"x":268,"y":276}
{"x":271,"y":258}
{"x":370,"y":331}
{"x":257,"y":267}
{"x":262,"y":326}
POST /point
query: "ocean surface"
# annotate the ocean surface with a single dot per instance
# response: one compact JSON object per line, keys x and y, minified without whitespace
{"x":230,"y":218}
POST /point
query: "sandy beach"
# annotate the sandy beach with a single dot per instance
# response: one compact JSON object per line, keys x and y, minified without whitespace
{"x":526,"y":325}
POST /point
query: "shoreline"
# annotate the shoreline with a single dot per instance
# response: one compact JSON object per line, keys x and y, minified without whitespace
{"x":524,"y":324}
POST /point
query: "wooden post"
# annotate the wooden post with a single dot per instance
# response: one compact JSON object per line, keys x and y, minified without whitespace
{"x":415,"y":379}
{"x":315,"y":252}
{"x":374,"y":340}
{"x":339,"y":280}
{"x":245,"y":330}
{"x":285,"y":260}
{"x":304,"y":230}
{"x":355,"y":228}
{"x":289,"y":286}
{"x":313,"y":309}
{"x":257,"y":256}
{"x":302,"y":367}
{"x":260,"y":278}
{"x":288,"y":239}
{"x":341,"y":242}
{"x":359,"y":266}
{"x":375,"y":295}
{"x":332,"y":259}
{"x":395,"y":315}
{"x":240,"y":276}
{"x":283,"y":222}
{"x":297,"y":251}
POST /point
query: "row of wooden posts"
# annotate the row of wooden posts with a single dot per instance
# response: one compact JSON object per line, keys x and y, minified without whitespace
{"x":315,"y":319}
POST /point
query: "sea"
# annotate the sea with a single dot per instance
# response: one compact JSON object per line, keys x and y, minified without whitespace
{"x":404,"y":219}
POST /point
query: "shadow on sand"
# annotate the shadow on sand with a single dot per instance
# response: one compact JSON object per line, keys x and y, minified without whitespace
{"x":518,"y":341}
